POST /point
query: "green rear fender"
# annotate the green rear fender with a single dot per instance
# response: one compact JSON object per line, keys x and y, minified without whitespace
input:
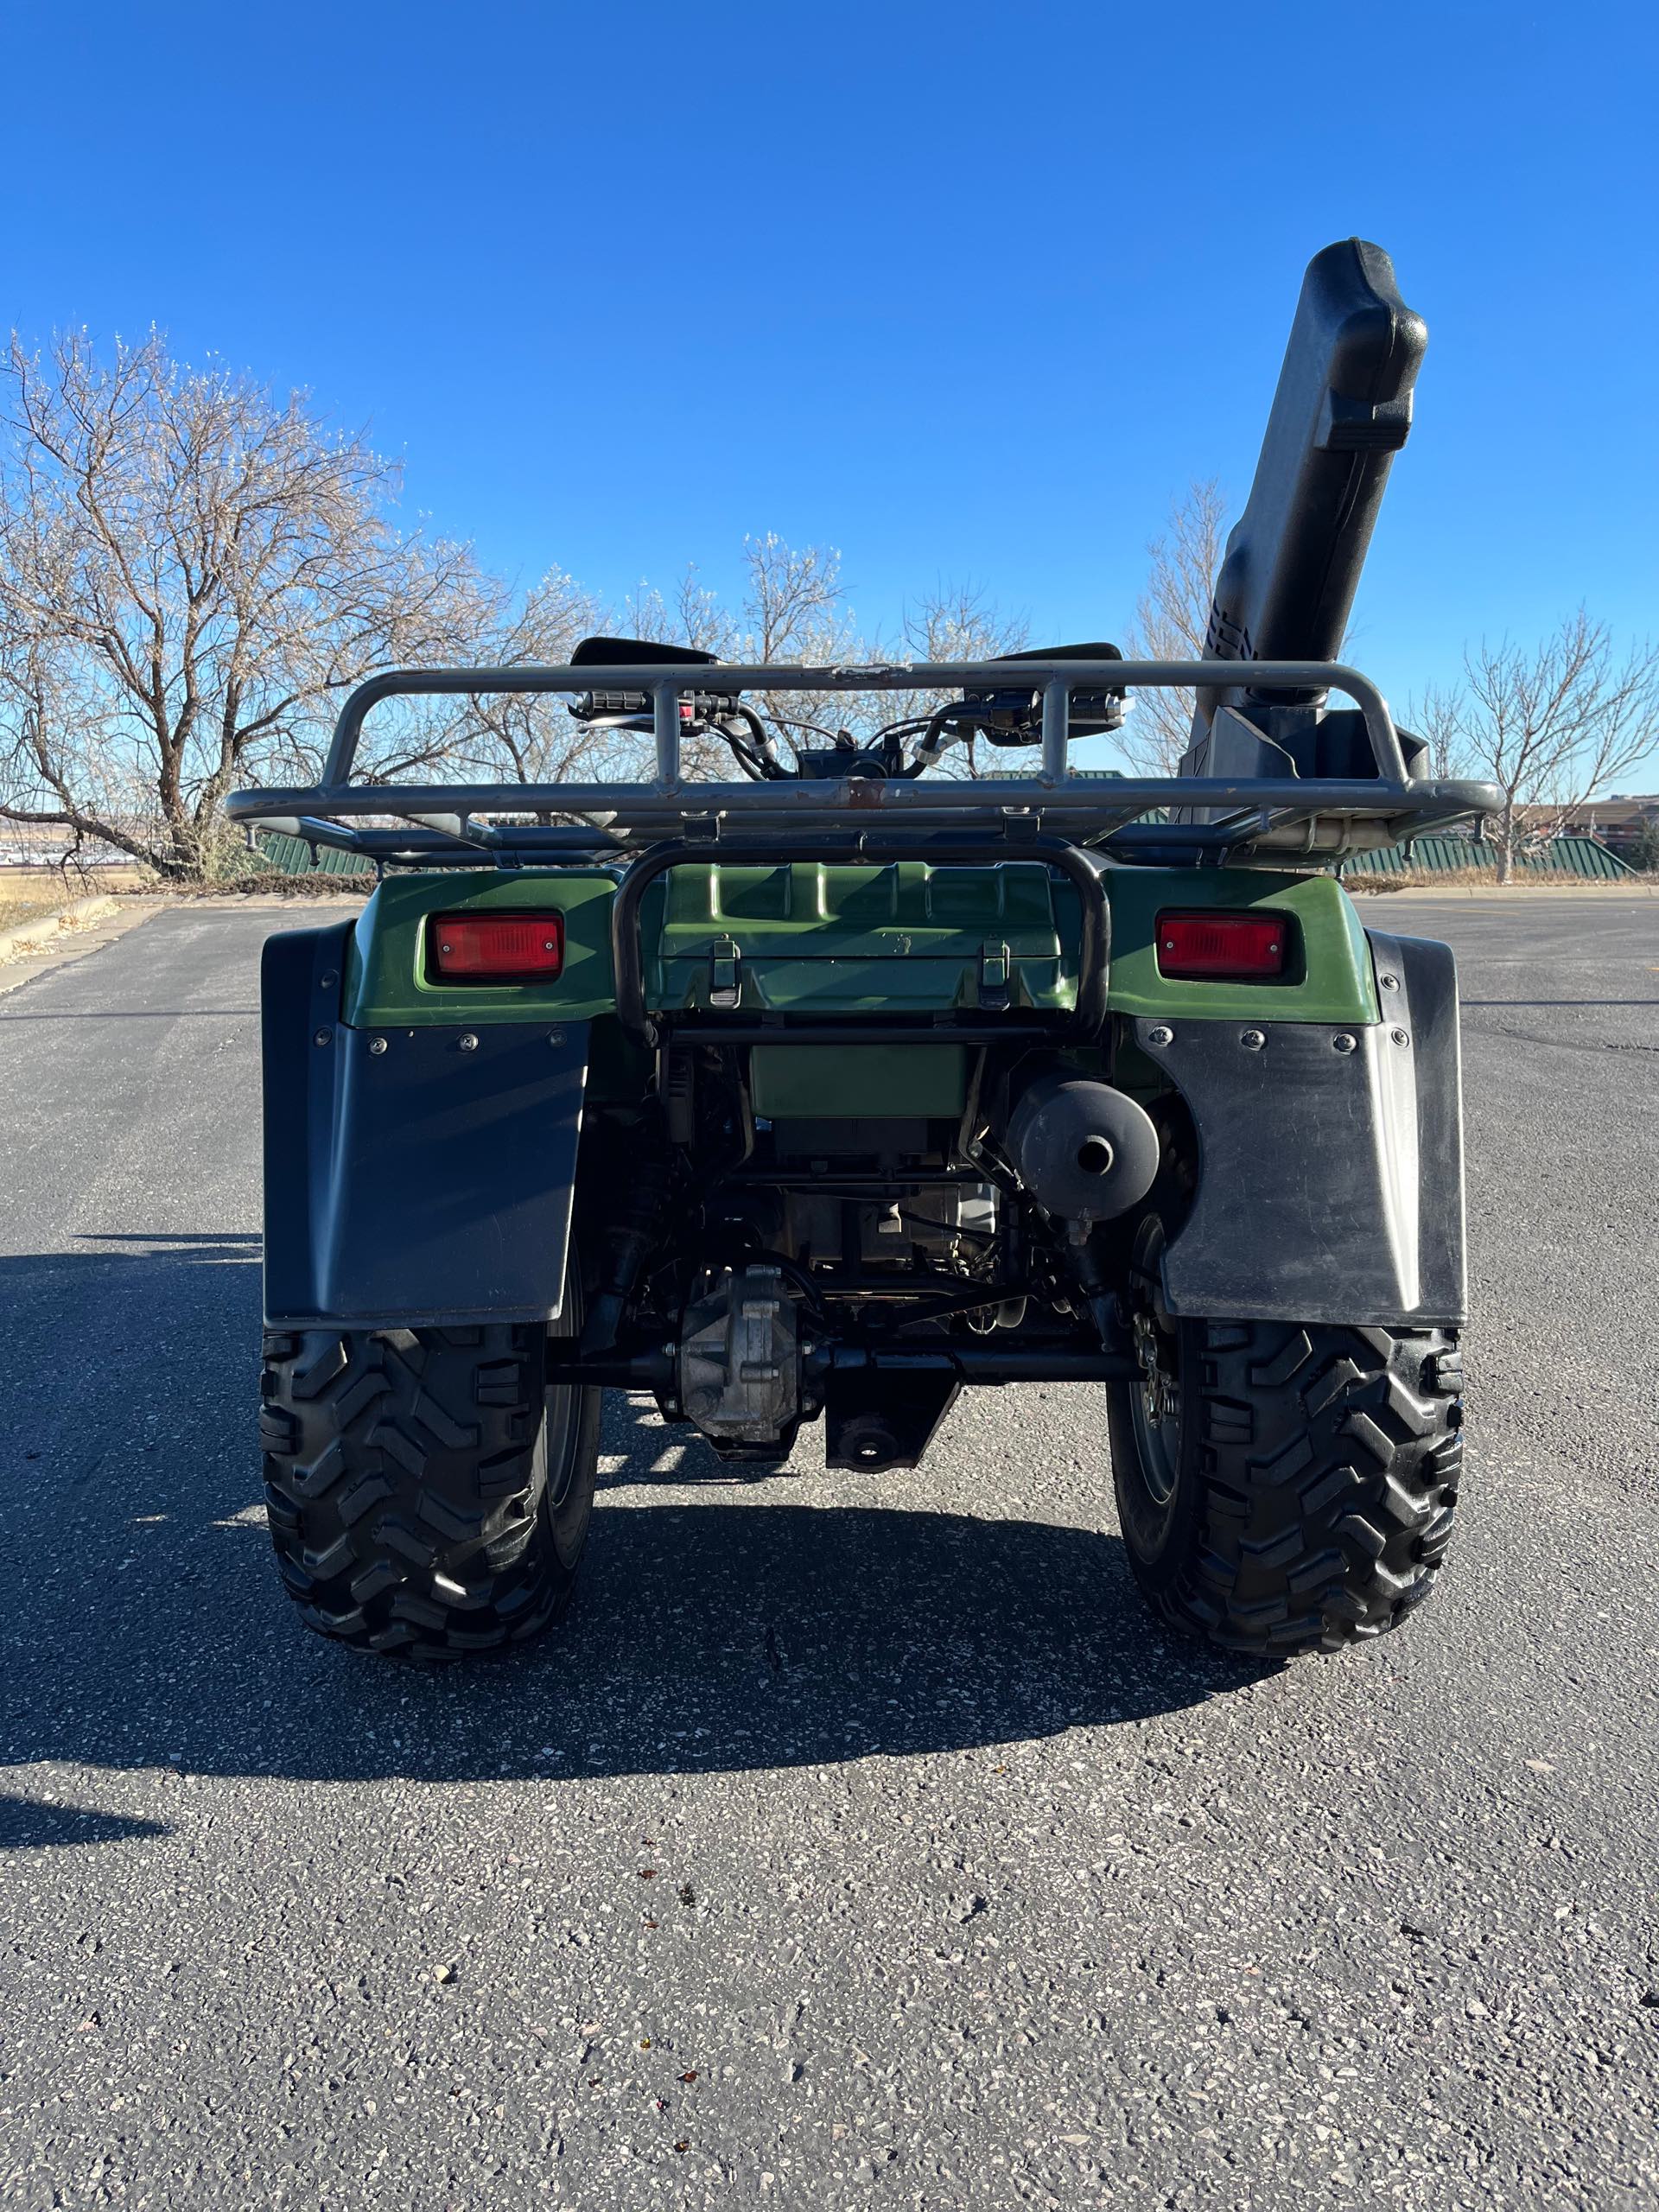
{"x":387,"y":985}
{"x":845,"y":940}
{"x":1329,"y":977}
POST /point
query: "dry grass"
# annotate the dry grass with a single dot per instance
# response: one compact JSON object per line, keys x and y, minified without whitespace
{"x":63,"y":886}
{"x":15,"y":911}
{"x":29,"y":893}
{"x":272,"y":883}
{"x":1485,"y":878}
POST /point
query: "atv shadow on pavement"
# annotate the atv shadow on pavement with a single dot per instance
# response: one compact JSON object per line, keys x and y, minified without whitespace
{"x":719,"y":1632}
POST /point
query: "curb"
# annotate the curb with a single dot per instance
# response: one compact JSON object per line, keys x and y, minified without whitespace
{"x":32,"y":937}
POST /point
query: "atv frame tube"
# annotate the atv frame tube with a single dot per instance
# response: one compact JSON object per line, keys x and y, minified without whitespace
{"x":993,"y":1365}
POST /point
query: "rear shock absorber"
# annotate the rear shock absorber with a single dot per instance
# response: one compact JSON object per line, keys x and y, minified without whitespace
{"x":1092,"y":1280}
{"x":630,"y":1238}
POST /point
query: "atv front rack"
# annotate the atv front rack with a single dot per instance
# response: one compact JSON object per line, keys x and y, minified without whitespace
{"x":1209,"y":820}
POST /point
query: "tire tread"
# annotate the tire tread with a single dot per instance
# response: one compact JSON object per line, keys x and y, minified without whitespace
{"x":405,"y":1488}
{"x":1329,"y":1460}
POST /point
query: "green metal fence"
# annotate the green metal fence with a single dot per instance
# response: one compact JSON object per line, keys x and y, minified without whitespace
{"x":1586,"y":858}
{"x":294,"y":857}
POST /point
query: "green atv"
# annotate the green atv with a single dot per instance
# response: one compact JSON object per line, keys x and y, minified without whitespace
{"x":832,"y":1089}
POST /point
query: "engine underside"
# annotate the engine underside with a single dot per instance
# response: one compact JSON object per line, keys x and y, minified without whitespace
{"x":864,"y":1266}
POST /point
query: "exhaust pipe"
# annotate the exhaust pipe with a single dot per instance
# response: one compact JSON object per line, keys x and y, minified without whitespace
{"x":1084,"y":1151}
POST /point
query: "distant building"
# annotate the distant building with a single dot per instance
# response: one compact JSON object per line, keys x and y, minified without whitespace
{"x":1617,"y":823}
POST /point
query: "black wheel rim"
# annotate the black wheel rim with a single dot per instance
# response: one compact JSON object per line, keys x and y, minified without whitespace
{"x":1156,"y":1408}
{"x":1154,"y":1395}
{"x":561,"y":1446}
{"x":567,"y":1504}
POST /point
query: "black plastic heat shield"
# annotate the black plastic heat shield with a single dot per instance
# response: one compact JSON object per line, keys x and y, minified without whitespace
{"x":1341,"y":411}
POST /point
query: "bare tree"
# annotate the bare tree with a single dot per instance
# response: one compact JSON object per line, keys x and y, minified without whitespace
{"x":1437,"y":716}
{"x":190,"y":568}
{"x":695,"y":617}
{"x":794,"y":609}
{"x":957,"y":622}
{"x":529,"y":737}
{"x":532,"y":737}
{"x":1553,"y":724}
{"x":1172,"y":618}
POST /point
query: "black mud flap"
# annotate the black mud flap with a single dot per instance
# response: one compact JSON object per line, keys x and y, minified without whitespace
{"x":413,"y":1177}
{"x":1330,"y":1158}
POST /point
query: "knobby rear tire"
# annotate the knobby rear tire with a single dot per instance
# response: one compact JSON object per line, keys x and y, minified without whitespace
{"x":1310,"y":1491}
{"x":428,"y":1495}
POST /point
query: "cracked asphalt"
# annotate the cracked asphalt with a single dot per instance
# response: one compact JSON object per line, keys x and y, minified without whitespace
{"x":860,"y":1839}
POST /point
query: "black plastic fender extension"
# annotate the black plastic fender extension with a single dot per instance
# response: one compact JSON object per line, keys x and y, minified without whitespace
{"x":1330,"y":1158}
{"x":414,"y":1177}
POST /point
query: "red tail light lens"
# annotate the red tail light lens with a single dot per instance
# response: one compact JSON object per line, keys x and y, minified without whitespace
{"x":1223,"y":948}
{"x":495,"y":948}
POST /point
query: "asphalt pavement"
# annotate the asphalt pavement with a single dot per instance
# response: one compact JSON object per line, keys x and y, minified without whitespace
{"x":860,"y":1840}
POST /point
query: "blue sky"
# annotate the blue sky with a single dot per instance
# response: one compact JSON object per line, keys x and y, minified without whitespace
{"x":968,"y":291}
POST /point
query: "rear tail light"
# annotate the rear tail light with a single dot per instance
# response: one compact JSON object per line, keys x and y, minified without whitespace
{"x":495,"y":948}
{"x":1223,"y":948}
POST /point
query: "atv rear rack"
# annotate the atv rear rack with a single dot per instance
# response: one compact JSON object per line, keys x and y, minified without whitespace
{"x":1080,"y":1025}
{"x":1209,"y":819}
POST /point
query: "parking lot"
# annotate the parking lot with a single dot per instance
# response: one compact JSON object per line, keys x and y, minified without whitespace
{"x":859,"y":1840}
